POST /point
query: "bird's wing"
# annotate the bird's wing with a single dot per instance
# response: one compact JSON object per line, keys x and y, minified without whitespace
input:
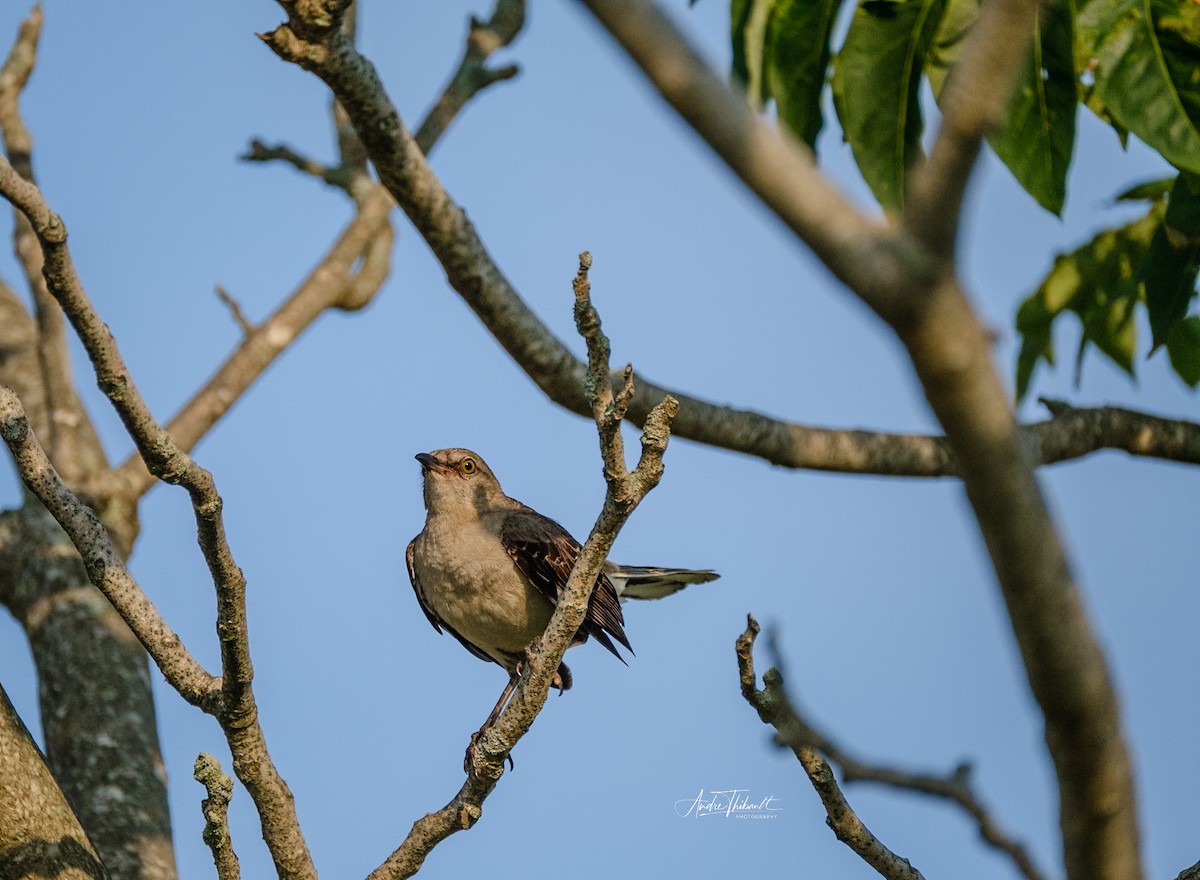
{"x":545,"y":553}
{"x":434,"y":619}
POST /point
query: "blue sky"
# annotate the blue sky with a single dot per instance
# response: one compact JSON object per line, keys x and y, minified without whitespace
{"x":880,"y":591}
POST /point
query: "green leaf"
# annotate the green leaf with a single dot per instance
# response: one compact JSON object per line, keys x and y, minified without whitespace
{"x":1035,"y":324}
{"x":1038,"y":136}
{"x":875,"y":86}
{"x":1183,"y":347}
{"x":1147,"y":73}
{"x":948,"y":42}
{"x":1097,"y":282}
{"x":748,"y":31}
{"x":797,"y":58}
{"x":1170,"y":267}
{"x":1147,"y":190}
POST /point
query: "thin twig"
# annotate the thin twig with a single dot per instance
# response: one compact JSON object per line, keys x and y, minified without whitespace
{"x":334,"y":175}
{"x":473,"y":74}
{"x":954,"y":786}
{"x":215,"y":808}
{"x":235,"y":309}
{"x":773,"y":708}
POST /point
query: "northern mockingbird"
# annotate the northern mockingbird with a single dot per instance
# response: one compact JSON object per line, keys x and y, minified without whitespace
{"x":489,"y":570}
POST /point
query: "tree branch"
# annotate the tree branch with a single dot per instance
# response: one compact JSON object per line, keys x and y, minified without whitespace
{"x":73,"y":444}
{"x":474,"y":275}
{"x":325,"y":287}
{"x":473,"y":75}
{"x":105,"y":568}
{"x":215,"y":808}
{"x":954,"y":787}
{"x":918,"y":294}
{"x":334,"y":175}
{"x":236,"y":709}
{"x":773,"y":708}
{"x":625,"y":490}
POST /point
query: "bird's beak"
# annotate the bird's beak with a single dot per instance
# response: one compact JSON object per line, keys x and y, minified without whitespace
{"x":429,"y":463}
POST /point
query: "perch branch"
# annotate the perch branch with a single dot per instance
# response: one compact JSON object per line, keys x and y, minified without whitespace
{"x":625,"y":490}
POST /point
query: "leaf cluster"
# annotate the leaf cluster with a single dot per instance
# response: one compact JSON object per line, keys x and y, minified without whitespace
{"x":1133,"y":63}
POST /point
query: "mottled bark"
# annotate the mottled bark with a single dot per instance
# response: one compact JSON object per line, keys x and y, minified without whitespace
{"x":94,"y":694}
{"x":40,"y":836}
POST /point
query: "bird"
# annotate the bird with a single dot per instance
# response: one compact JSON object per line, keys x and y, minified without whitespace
{"x":489,"y":570}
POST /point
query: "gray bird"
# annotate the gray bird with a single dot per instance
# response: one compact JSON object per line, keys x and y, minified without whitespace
{"x":489,"y":570}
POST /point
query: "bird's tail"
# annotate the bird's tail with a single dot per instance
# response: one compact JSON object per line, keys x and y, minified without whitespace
{"x":649,"y":582}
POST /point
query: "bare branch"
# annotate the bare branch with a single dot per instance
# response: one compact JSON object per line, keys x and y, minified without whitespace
{"x":916,"y":291}
{"x":882,"y":267}
{"x":164,"y":458}
{"x":104,"y":565}
{"x":473,"y":75}
{"x":326,"y":286}
{"x":73,"y":444}
{"x":235,"y":309}
{"x":954,"y":787}
{"x":216,"y":815}
{"x":773,"y":708}
{"x":14,"y":74}
{"x":334,"y":175}
{"x":625,"y":491}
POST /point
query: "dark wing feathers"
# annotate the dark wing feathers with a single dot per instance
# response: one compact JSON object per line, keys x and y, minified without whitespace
{"x":437,"y":622}
{"x":545,"y":553}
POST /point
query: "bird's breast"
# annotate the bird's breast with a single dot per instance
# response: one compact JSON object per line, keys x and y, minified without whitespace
{"x":472,"y":584}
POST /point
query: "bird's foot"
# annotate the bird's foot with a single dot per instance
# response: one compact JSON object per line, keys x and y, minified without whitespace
{"x":557,"y":682}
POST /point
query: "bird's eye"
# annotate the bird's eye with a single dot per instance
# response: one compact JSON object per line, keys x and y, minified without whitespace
{"x":468,"y":466}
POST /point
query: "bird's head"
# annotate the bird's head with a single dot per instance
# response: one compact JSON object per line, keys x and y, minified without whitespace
{"x":458,"y":483}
